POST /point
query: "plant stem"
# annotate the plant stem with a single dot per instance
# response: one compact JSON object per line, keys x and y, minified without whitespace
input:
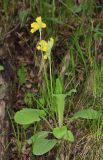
{"x":51,"y":81}
{"x":40,"y":33}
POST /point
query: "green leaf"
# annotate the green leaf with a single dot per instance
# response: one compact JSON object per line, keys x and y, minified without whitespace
{"x":59,"y":101}
{"x":63,"y":133}
{"x":29,"y":98}
{"x":69,"y":136}
{"x":59,"y":87}
{"x":6,"y":6}
{"x":1,"y":68}
{"x":59,"y":107}
{"x":23,"y":15}
{"x":60,"y":132}
{"x":28,"y":116}
{"x":42,"y":146}
{"x":87,"y":114}
{"x":22,"y":73}
{"x":40,"y":135}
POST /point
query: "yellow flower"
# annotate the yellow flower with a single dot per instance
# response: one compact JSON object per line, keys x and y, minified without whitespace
{"x":42,"y":45}
{"x":37,"y":25}
{"x":45,"y":47}
{"x":38,"y":19}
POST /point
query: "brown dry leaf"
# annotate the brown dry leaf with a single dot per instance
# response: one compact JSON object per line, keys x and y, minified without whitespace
{"x":2,"y":109}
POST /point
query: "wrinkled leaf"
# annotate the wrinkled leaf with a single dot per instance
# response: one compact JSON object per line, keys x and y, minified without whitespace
{"x":42,"y":146}
{"x":39,"y":135}
{"x":63,"y":133}
{"x":87,"y":114}
{"x":28,"y":116}
{"x":60,"y":132}
{"x":59,"y":107}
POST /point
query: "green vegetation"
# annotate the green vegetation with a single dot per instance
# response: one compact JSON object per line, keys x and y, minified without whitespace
{"x":1,"y":68}
{"x":62,"y":106}
{"x":21,"y":73}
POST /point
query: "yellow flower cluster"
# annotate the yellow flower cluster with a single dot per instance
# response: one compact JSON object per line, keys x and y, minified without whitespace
{"x":43,"y":46}
{"x":37,"y":25}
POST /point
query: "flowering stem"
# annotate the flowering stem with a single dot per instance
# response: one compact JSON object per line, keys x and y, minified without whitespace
{"x":50,"y":76}
{"x":41,"y":53}
{"x":40,"y":33}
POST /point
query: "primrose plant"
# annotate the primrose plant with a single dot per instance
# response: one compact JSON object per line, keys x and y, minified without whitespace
{"x":59,"y":131}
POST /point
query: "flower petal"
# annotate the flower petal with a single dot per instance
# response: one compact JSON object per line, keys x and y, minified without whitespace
{"x":38,"y":47}
{"x":43,"y":25}
{"x":38,"y":19}
{"x":32,"y":30}
{"x":45,"y":47}
{"x":35,"y":25}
